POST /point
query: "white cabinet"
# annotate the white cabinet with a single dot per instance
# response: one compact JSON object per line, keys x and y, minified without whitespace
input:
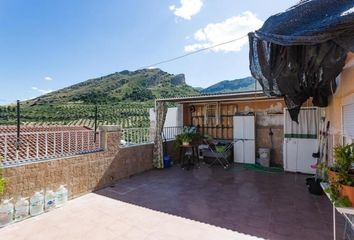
{"x":300,"y":141}
{"x":298,"y":155}
{"x":244,"y":137}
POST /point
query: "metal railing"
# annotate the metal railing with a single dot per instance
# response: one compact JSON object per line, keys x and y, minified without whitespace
{"x":136,"y":136}
{"x":139,"y":136}
{"x":37,"y":146}
{"x":169,"y":133}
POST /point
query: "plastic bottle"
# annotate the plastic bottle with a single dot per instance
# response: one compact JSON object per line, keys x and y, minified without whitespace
{"x":61,"y":196}
{"x":49,"y":200}
{"x":36,"y":204}
{"x":6,"y":213}
{"x":21,"y":209}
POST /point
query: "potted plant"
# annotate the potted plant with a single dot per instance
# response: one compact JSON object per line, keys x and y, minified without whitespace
{"x":186,"y":139}
{"x":188,"y":136}
{"x":341,"y":180}
{"x":334,"y":191}
{"x":344,"y":159}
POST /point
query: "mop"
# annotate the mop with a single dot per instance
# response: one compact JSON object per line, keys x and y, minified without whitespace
{"x":313,"y":183}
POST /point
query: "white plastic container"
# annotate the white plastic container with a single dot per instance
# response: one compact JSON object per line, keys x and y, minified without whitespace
{"x":264,"y":156}
{"x":49,"y":200}
{"x":6,"y":213}
{"x":36,"y":204}
{"x":61,"y":196}
{"x":21,"y":209}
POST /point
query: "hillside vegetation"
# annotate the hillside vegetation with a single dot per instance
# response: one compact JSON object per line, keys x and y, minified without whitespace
{"x":126,"y":86}
{"x":123,"y":98}
{"x":237,"y":85}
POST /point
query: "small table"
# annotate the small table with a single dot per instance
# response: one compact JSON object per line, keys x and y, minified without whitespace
{"x":347,"y":212}
{"x":194,"y":154}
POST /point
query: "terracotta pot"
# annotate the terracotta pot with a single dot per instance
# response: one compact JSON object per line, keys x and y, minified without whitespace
{"x":332,"y":176}
{"x":349,"y":192}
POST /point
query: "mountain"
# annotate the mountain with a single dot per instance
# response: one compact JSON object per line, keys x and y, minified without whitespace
{"x":124,"y":86}
{"x":237,"y":85}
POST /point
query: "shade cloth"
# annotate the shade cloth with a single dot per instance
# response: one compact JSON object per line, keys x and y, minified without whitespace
{"x":299,"y":53}
{"x":161,"y":112}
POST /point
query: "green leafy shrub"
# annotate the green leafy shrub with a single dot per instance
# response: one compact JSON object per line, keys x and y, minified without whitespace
{"x":344,"y":159}
{"x":2,"y":182}
{"x":344,"y":156}
{"x":189,"y":134}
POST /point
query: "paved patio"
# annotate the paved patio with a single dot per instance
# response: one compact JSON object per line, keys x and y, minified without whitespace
{"x":266,"y":205}
{"x":207,"y":203}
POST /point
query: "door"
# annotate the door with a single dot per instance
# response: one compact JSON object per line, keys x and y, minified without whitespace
{"x":239,"y":151}
{"x":290,"y":154}
{"x":239,"y":127}
{"x":248,"y":126}
{"x":244,"y":127}
{"x":306,"y":147}
{"x":250,"y":152}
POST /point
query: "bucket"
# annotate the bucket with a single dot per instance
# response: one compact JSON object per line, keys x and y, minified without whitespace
{"x":166,"y":161}
{"x":264,"y":156}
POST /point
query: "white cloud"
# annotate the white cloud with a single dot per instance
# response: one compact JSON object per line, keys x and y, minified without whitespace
{"x":232,"y":28}
{"x":187,"y":9}
{"x":42,"y":91}
{"x":48,"y":78}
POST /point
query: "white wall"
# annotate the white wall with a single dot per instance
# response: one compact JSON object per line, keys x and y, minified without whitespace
{"x":174,"y":117}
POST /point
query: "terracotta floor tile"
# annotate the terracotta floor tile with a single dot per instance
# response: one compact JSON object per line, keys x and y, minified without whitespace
{"x":207,"y":203}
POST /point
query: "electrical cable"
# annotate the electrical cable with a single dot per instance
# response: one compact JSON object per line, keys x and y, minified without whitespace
{"x":191,"y":53}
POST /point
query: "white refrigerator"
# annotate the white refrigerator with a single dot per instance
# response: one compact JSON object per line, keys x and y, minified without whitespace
{"x":244,"y":139}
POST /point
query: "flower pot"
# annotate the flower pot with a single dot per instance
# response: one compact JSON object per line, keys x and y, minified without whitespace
{"x":348,"y":191}
{"x":332,"y":176}
{"x":185,"y":143}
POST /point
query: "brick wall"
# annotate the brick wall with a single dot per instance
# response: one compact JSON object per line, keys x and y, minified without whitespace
{"x":82,"y":173}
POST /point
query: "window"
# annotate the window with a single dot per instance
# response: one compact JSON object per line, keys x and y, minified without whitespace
{"x":348,"y":123}
{"x":212,"y":114}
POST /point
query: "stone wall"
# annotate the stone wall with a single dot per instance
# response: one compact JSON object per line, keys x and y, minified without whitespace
{"x":81,"y":173}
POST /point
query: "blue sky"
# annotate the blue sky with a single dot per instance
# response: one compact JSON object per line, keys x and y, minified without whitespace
{"x":48,"y":45}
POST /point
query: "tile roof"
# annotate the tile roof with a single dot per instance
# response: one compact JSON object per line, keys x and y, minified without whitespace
{"x":38,"y":143}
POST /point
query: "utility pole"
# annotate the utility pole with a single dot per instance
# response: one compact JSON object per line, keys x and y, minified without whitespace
{"x":96,"y":113}
{"x":18,"y":140}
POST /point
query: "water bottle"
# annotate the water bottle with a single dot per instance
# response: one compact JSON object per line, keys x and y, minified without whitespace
{"x":6,"y":213}
{"x":49,"y":200}
{"x":36,"y":204}
{"x":61,"y":196}
{"x":21,"y":209}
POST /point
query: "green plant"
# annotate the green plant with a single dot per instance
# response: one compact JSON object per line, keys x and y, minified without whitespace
{"x":334,"y":193}
{"x":2,"y":185}
{"x":189,"y":134}
{"x":322,"y":170}
{"x":344,"y":158}
{"x":2,"y":182}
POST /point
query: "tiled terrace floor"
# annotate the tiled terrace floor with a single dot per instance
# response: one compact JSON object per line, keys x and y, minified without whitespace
{"x":207,"y":203}
{"x":267,"y":205}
